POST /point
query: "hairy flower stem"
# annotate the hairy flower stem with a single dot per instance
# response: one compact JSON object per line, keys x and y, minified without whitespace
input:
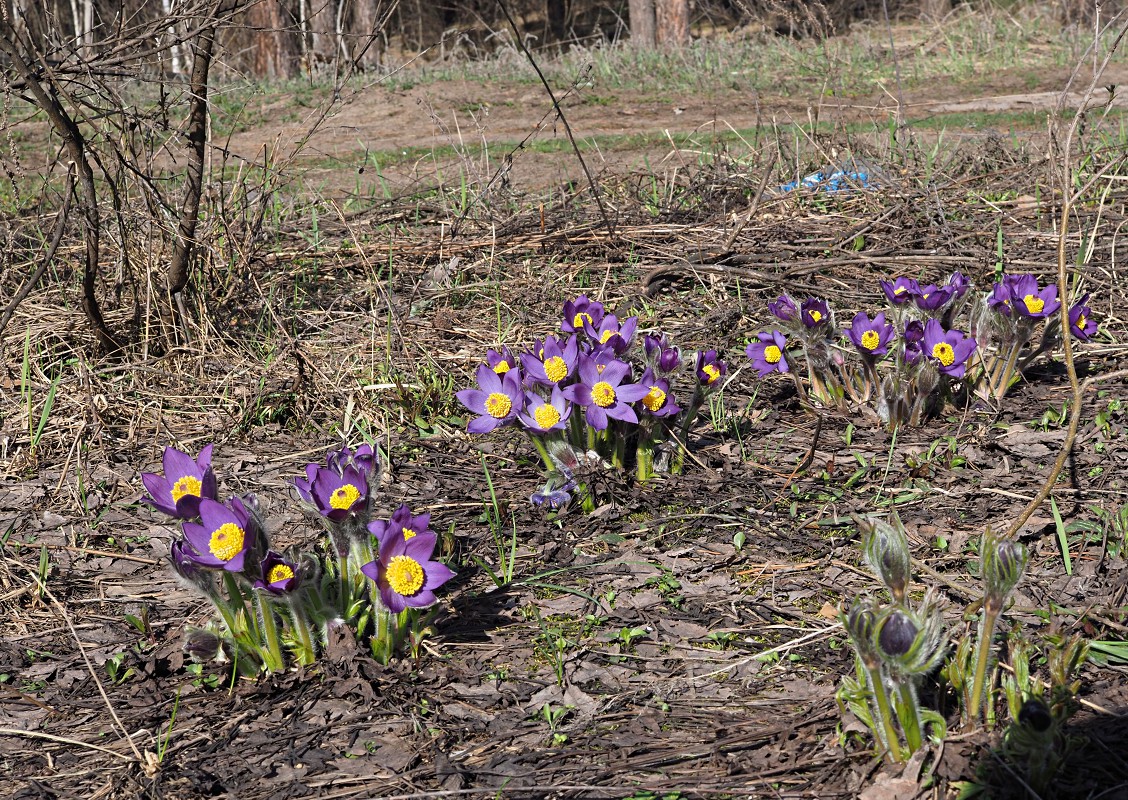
{"x":539,"y":444}
{"x":1001,"y":378}
{"x":982,"y":656}
{"x":910,"y":716}
{"x":877,"y":684}
{"x":302,"y":632}
{"x":272,"y":658}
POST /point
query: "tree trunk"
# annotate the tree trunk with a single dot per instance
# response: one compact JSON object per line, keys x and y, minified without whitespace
{"x":273,"y":42}
{"x":365,"y":27}
{"x":672,"y":22}
{"x":642,"y":20}
{"x":556,"y":13}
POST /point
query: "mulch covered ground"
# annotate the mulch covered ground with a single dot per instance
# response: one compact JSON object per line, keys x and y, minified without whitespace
{"x":640,"y":653}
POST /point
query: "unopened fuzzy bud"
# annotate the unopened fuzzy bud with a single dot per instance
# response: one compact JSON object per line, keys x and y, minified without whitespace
{"x":1003,"y":563}
{"x":886,"y":549}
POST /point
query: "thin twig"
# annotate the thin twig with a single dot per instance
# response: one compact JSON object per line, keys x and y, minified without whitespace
{"x":89,"y":666}
{"x":45,"y":261}
{"x":560,"y":112}
{"x":65,"y":740}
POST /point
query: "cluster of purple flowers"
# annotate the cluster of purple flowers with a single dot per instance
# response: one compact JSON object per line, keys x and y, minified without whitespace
{"x":582,"y":387}
{"x":226,"y":555}
{"x":919,"y":338}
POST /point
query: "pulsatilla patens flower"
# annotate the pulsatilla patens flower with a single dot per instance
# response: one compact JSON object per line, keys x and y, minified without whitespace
{"x":610,"y":333}
{"x":185,"y":482}
{"x":932,"y":297}
{"x":769,"y":354}
{"x":405,"y":573}
{"x":364,"y":459}
{"x":913,"y":339}
{"x":580,"y":312}
{"x":658,"y":400}
{"x":223,"y":535}
{"x":784,"y":309}
{"x":1001,"y":298}
{"x":958,"y":283}
{"x":497,"y":401}
{"x":1081,"y":324}
{"x":709,"y":368}
{"x":870,"y":336}
{"x":814,"y":312}
{"x":948,"y":350}
{"x":660,"y":354}
{"x":603,"y":393}
{"x":549,"y":363}
{"x":501,"y":361}
{"x":542,"y":416}
{"x":335,"y":491}
{"x":279,"y":575}
{"x":402,"y":524}
{"x":1030,"y":301}
{"x":900,"y":291}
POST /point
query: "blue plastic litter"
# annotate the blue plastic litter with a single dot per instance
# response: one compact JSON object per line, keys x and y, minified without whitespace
{"x":841,"y":180}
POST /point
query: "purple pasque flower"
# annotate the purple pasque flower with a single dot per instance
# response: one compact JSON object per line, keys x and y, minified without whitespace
{"x":933,"y":297}
{"x":870,"y":336}
{"x":279,"y":575}
{"x":541,"y":416}
{"x":1081,"y":324}
{"x":708,"y":367}
{"x":1001,"y":297}
{"x":769,"y":354}
{"x":581,"y":312}
{"x":183,"y":564}
{"x":496,"y":401}
{"x":548,"y":363}
{"x":185,"y":482}
{"x":402,"y":524}
{"x":1030,"y":301}
{"x":912,"y":339}
{"x":611,"y":334}
{"x":223,"y":535}
{"x":814,"y":312}
{"x":365,"y":459}
{"x":784,"y":309}
{"x":405,"y":573}
{"x":660,"y":354}
{"x":553,"y":498}
{"x":603,"y":393}
{"x":949,"y":350}
{"x":900,"y":291}
{"x":334,"y":494}
{"x":958,"y":283}
{"x":501,"y":361}
{"x":657,"y":401}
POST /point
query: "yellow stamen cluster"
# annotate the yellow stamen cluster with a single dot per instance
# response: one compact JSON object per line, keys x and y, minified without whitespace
{"x":603,"y":394}
{"x":226,"y":541}
{"x":186,"y":485}
{"x":498,"y":405}
{"x":555,"y":369}
{"x":343,"y":497}
{"x":772,"y":354}
{"x":870,"y":340}
{"x":408,"y":534}
{"x":1034,"y":304}
{"x":546,"y":416}
{"x":603,"y":337}
{"x":404,"y":575}
{"x":943,"y":352}
{"x":279,"y":572}
{"x":711,"y":372}
{"x":816,"y":315}
{"x":579,"y":320}
{"x":501,"y":367}
{"x":654,"y":399}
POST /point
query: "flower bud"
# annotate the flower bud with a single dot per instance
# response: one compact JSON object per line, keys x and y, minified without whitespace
{"x":1035,"y":715}
{"x":886,"y":549}
{"x":1002,"y":564}
{"x":204,"y":646}
{"x":898,"y":634}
